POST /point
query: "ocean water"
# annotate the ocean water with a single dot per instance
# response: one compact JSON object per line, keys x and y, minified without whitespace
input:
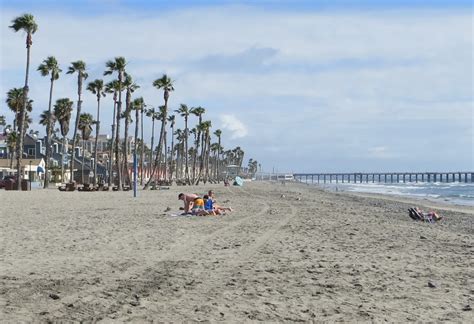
{"x":458,"y":193}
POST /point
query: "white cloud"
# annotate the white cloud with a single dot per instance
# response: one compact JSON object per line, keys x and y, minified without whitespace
{"x":233,"y":125}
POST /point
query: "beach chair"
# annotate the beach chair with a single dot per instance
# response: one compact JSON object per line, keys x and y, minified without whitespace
{"x":414,"y":214}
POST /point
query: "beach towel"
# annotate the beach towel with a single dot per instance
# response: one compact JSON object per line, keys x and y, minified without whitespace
{"x":180,"y":213}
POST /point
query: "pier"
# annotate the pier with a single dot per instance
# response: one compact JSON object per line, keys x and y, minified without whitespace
{"x":385,"y":177}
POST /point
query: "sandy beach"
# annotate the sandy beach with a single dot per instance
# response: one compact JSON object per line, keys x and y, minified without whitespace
{"x":287,"y":253}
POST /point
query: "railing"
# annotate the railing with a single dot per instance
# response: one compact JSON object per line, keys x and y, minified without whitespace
{"x":386,"y":177}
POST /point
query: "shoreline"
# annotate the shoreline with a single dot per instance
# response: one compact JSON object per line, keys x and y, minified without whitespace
{"x":428,"y":201}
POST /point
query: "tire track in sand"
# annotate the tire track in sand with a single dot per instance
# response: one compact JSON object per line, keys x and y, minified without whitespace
{"x":264,"y":237}
{"x":186,"y":248}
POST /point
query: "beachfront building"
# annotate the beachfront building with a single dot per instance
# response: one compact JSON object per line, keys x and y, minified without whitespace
{"x":31,"y":169}
{"x":103,"y":144}
{"x":3,"y":146}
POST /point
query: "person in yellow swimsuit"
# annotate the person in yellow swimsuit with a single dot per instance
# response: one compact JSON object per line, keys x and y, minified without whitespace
{"x":198,"y":207}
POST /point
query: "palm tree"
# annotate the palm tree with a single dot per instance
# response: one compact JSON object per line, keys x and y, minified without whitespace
{"x":137,"y":105}
{"x":112,"y":87}
{"x":218,"y":134}
{"x":85,"y":126}
{"x":184,"y":112}
{"x":62,"y":111}
{"x":27,"y":24}
{"x":15,"y":103}
{"x":49,"y":66}
{"x":198,"y":112}
{"x":166,"y":84}
{"x":153,"y":114}
{"x":47,"y":119}
{"x":78,"y":67}
{"x":117,"y":65}
{"x":172,"y":120}
{"x":130,"y":87}
{"x":97,"y":88}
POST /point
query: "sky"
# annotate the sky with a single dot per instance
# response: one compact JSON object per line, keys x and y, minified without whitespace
{"x":300,"y":86}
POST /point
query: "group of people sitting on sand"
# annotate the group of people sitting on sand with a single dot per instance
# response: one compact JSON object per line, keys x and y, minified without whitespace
{"x":420,"y":215}
{"x":201,"y":206}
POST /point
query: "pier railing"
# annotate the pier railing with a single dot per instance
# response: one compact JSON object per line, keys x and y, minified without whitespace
{"x":385,"y":177}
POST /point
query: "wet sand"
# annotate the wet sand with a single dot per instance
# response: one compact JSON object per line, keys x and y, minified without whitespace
{"x":308,"y":256}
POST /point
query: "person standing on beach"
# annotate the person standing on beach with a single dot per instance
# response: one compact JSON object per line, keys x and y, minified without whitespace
{"x":188,"y":200}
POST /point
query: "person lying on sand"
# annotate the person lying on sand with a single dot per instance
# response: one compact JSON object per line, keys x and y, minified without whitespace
{"x":418,"y":214}
{"x":188,"y":200}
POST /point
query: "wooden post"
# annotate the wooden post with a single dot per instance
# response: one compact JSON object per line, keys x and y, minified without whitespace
{"x":434,"y":177}
{"x":343,"y":178}
{"x":422,"y":177}
{"x":429,"y":177}
{"x":330,"y":178}
{"x":398,"y":177}
{"x":391,"y":177}
{"x":324,"y":177}
{"x":416,"y":177}
{"x":379,"y":177}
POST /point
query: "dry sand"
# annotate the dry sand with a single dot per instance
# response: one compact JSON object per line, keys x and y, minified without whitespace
{"x":311,"y":256}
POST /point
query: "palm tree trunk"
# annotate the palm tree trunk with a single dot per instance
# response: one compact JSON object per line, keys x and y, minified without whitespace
{"x":117,"y":134}
{"x":19,"y":148}
{"x":112,"y":144}
{"x":74,"y":139}
{"x":166,"y":156}
{"x":186,"y":166}
{"x":171,"y":154}
{"x":62,"y":158}
{"x":97,"y":129}
{"x":160,"y":144}
{"x":82,"y":167}
{"x":152,"y":143}
{"x":137,"y":122}
{"x":48,"y":137}
{"x":142,"y":153}
{"x":218,"y":160}
{"x":126,"y":175}
{"x":196,"y":156}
